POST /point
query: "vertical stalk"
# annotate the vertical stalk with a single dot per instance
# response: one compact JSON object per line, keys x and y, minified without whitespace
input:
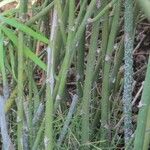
{"x":5,"y":138}
{"x":101,"y":57}
{"x":105,"y":106}
{"x":117,"y":63}
{"x":48,"y":139}
{"x":80,"y":61}
{"x":70,"y":53}
{"x":20,"y":92}
{"x":36,"y":98}
{"x":80,"y":66}
{"x":39,"y":135}
{"x":142,"y":126}
{"x":20,"y":118}
{"x":128,"y":68}
{"x":2,"y":68}
{"x":143,"y":113}
{"x":88,"y":83}
{"x":147,"y":134}
{"x":67,"y":121}
{"x":105,"y":32}
{"x":30,"y":103}
{"x":61,"y":23}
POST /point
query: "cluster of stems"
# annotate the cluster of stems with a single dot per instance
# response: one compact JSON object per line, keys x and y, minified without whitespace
{"x":62,"y":61}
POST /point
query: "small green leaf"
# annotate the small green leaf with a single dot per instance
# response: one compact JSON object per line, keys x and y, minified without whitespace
{"x":28,"y":53}
{"x":25,"y":29}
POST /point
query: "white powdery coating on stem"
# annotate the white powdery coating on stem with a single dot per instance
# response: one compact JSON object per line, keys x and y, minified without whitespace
{"x":3,"y":125}
{"x":50,"y":78}
{"x":50,"y":74}
{"x":54,"y":25}
{"x":46,"y":140}
{"x":38,"y":114}
{"x":128,"y":67}
{"x":68,"y":120}
{"x":98,"y":4}
{"x":50,"y":68}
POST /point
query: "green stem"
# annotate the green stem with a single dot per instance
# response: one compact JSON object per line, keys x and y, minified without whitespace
{"x":40,"y":14}
{"x":70,"y":53}
{"x":80,"y":60}
{"x":128,"y":68}
{"x":105,"y":110}
{"x":143,"y":113}
{"x":147,"y":134}
{"x":68,"y":50}
{"x":60,"y":18}
{"x":38,"y":137}
{"x":48,"y":139}
{"x":20,"y":116}
{"x":108,"y":6}
{"x":105,"y":35}
{"x":88,"y":84}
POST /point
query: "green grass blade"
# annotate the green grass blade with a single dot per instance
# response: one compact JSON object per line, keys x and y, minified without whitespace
{"x":28,"y":53}
{"x":25,"y":29}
